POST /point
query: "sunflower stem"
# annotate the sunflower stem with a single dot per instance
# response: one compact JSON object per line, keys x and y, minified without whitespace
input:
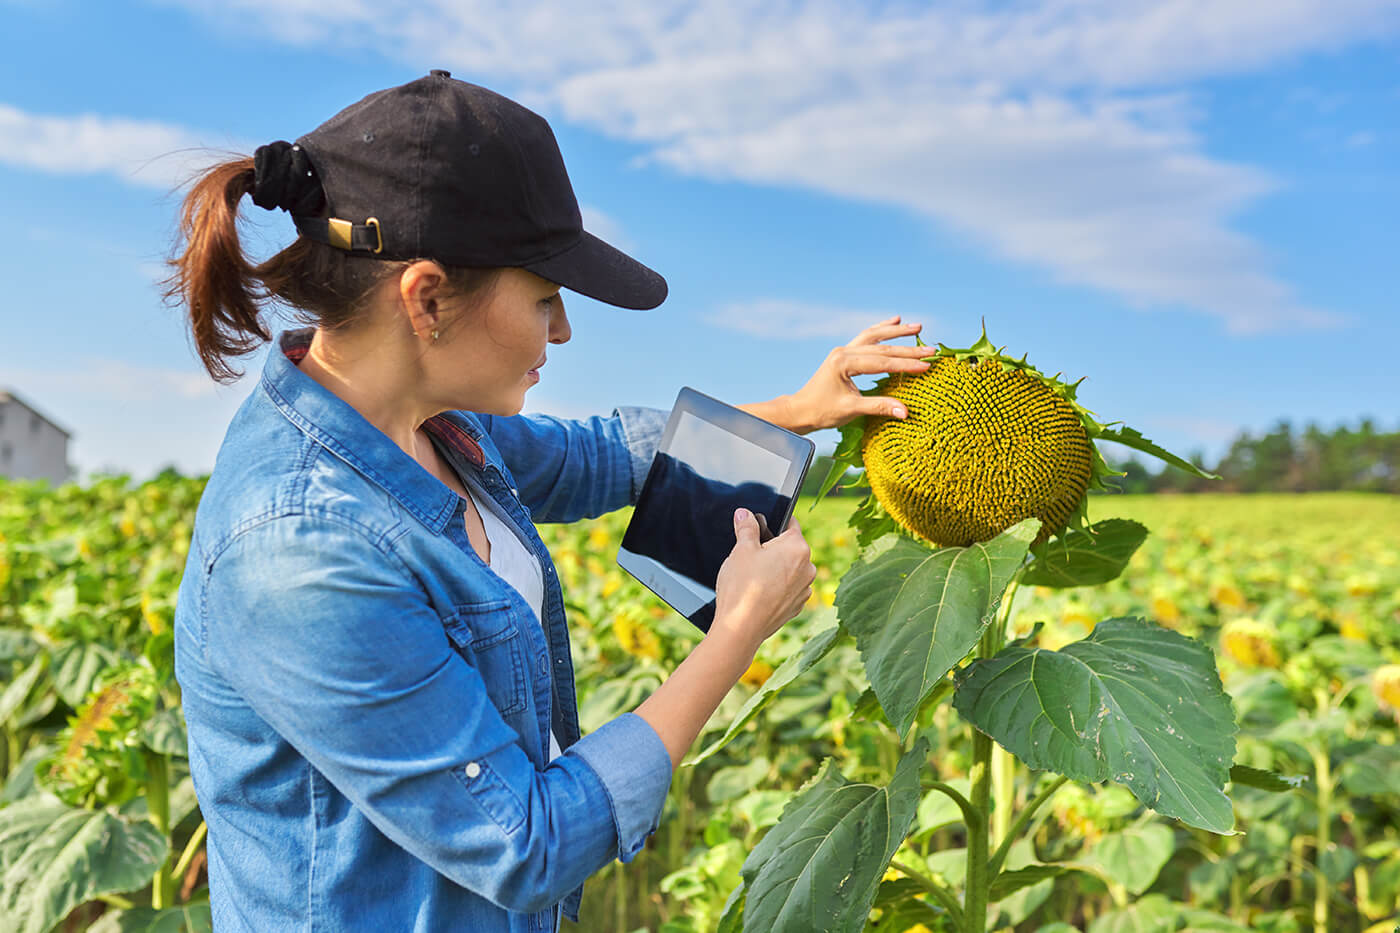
{"x":978,"y":827}
{"x":158,"y":805}
{"x":1323,"y":765}
{"x":1003,"y":765}
{"x":187,"y":856}
{"x":940,"y":891}
{"x":1023,"y":820}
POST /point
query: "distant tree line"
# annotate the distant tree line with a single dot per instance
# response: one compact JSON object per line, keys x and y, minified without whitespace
{"x":1361,"y":459}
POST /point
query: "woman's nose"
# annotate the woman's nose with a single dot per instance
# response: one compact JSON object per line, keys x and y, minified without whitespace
{"x":559,"y":329}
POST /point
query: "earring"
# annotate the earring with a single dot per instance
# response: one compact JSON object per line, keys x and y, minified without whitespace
{"x":435,"y":333}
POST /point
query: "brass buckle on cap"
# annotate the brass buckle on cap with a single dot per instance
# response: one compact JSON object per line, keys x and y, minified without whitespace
{"x":338,"y":232}
{"x":378,"y":234}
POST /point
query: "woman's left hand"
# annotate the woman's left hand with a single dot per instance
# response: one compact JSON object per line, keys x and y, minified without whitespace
{"x":830,"y":398}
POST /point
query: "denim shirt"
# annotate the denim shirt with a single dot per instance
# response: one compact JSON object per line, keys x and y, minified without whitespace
{"x":368,"y":704}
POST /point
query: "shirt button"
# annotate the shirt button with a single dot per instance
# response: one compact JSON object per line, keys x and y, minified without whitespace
{"x":473,"y":769}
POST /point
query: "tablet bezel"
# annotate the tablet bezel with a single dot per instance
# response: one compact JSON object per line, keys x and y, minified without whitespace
{"x":797,"y":450}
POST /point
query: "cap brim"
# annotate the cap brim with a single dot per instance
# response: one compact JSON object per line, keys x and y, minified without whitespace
{"x":595,"y":269}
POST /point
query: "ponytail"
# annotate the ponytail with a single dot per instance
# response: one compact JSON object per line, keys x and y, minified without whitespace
{"x":212,"y":278}
{"x":223,"y":292}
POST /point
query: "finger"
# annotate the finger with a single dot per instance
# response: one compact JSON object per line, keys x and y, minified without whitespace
{"x":881,"y":407}
{"x":865,"y":364}
{"x":745,"y":527}
{"x":885,"y":330}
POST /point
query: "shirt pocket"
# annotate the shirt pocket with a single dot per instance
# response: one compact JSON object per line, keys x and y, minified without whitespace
{"x":486,"y":634}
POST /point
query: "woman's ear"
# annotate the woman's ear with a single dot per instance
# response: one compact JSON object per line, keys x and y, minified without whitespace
{"x":422,"y":288}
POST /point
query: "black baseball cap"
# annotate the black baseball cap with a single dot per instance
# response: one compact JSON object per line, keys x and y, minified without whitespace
{"x":441,"y":169}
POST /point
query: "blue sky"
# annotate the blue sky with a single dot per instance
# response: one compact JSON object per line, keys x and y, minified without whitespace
{"x":1192,"y":203}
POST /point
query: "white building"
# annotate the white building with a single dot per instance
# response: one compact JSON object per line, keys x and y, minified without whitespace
{"x":31,"y":446}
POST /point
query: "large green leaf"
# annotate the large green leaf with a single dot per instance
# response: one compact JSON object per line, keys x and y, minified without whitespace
{"x":1085,"y":558}
{"x":76,"y":667}
{"x":16,"y":644}
{"x":20,"y":781}
{"x":1132,"y":857}
{"x":795,"y":665}
{"x":1374,"y":772}
{"x":164,"y":733}
{"x":1152,"y":914}
{"x":56,"y":857}
{"x":17,"y":690}
{"x":917,"y":612}
{"x":818,"y":869}
{"x":731,"y":919}
{"x":1133,"y":703}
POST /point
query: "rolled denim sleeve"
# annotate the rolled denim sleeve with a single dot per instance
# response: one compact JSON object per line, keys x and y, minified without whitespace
{"x":325,"y":634}
{"x":567,"y":470}
{"x":635,"y":768}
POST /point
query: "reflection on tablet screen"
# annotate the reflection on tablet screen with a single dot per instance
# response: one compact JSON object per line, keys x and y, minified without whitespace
{"x":683,"y":527}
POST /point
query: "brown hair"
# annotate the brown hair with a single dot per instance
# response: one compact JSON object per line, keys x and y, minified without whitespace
{"x":224,"y":292}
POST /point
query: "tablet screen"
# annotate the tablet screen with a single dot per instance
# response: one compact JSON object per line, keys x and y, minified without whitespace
{"x":712,"y":459}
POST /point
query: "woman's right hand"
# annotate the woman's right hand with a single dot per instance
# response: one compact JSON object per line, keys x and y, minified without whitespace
{"x":761,"y":585}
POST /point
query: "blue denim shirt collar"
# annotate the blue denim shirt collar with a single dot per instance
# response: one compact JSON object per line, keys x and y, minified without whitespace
{"x":343,"y":431}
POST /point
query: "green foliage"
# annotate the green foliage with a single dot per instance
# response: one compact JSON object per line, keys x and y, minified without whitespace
{"x":1132,"y":703}
{"x":100,"y":566}
{"x":796,"y":665}
{"x":191,"y":918}
{"x":917,"y":612}
{"x":820,"y":866}
{"x":56,"y":857}
{"x":1084,"y":558}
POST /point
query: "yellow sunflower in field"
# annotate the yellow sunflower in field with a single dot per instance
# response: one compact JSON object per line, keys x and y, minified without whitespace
{"x":1250,"y":643}
{"x":1385,"y":685}
{"x":989,"y":441}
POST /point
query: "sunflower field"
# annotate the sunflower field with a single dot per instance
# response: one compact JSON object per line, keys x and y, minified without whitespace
{"x":1295,"y":600}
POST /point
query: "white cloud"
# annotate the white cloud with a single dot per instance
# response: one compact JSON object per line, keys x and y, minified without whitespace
{"x":792,"y":320}
{"x":1054,"y":133}
{"x":116,"y":381}
{"x":141,"y":152}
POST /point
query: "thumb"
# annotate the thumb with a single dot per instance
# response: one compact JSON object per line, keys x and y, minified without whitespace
{"x":745,"y":527}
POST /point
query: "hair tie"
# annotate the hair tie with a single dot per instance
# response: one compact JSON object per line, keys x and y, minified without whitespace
{"x":283,"y":177}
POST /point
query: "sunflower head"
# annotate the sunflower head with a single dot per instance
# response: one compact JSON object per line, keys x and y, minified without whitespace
{"x":1250,"y":643}
{"x":1385,"y":685}
{"x":989,"y":441}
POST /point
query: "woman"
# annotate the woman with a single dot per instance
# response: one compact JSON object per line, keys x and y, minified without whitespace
{"x":370,"y":636}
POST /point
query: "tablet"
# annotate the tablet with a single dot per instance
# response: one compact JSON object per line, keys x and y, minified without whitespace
{"x":712,"y":459}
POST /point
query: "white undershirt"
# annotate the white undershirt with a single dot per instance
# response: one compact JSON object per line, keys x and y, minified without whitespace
{"x":516,"y":565}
